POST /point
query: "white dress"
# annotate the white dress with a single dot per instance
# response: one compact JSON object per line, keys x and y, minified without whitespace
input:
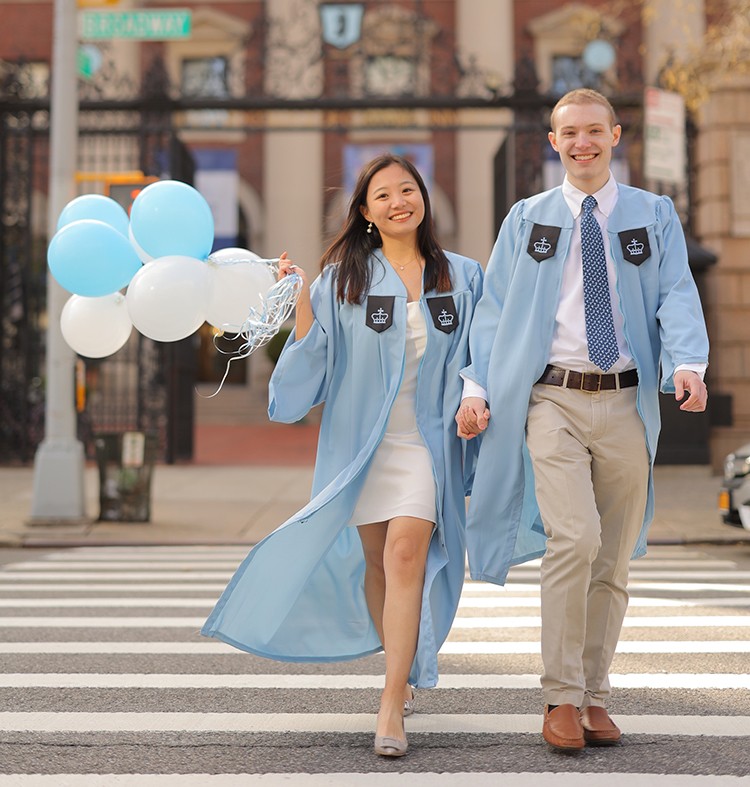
{"x":400,"y":481}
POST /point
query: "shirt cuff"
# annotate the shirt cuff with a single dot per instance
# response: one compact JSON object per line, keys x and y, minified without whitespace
{"x":698,"y":368}
{"x":472,"y":389}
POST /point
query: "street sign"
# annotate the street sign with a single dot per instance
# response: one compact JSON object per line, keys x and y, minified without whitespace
{"x":664,"y":143}
{"x":89,"y":60}
{"x":154,"y":25}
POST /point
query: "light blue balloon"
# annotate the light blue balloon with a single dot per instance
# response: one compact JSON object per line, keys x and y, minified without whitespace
{"x":171,"y":218}
{"x":98,"y":207}
{"x":91,"y":258}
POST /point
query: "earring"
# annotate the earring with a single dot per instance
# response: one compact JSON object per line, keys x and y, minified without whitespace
{"x":369,"y":228}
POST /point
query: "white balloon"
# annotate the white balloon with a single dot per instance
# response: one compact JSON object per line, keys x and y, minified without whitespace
{"x":233,"y":254}
{"x":96,"y":327}
{"x":240,"y":282}
{"x":168,"y":297}
{"x":143,"y":256}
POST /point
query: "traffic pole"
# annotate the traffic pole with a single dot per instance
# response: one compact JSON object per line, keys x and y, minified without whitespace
{"x":58,"y":493}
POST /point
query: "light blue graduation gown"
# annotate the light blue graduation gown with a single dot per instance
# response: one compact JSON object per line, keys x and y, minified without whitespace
{"x":510,"y":342}
{"x":299,"y":595}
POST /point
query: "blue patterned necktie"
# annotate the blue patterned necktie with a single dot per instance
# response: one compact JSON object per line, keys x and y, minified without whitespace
{"x":600,"y":328}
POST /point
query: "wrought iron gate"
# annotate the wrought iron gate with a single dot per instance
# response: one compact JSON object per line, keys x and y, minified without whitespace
{"x":147,"y":386}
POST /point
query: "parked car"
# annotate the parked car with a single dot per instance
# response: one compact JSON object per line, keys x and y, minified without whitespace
{"x":734,"y":494}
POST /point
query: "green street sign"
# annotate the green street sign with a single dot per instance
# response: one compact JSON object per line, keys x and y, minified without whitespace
{"x":154,"y":25}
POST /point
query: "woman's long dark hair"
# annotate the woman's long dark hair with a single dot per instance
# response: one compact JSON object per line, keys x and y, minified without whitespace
{"x":351,"y":248}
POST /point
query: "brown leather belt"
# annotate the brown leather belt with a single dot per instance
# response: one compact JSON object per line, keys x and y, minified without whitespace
{"x":588,"y":381}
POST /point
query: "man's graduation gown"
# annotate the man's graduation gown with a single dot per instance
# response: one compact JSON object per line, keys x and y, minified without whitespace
{"x":510,"y":343}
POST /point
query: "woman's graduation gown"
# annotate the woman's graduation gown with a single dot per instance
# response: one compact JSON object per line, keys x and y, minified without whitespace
{"x":299,"y":595}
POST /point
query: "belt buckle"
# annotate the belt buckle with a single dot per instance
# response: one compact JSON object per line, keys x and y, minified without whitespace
{"x":598,"y":388}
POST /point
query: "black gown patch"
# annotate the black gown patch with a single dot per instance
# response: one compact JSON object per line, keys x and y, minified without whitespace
{"x":379,"y":312}
{"x":444,"y":314}
{"x":543,"y":242}
{"x":635,"y":245}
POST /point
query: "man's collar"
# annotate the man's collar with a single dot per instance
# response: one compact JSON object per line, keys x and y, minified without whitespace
{"x":606,"y":197}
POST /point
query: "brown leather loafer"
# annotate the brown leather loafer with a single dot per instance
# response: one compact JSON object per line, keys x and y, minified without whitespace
{"x":598,"y":728}
{"x":562,"y":728}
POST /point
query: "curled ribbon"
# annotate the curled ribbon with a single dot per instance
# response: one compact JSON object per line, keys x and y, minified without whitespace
{"x":261,"y":326}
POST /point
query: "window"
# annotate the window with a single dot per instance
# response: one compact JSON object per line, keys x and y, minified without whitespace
{"x":26,"y":79}
{"x":205,"y":77}
{"x":570,"y":72}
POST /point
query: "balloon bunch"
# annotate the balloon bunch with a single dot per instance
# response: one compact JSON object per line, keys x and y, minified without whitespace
{"x":160,"y":255}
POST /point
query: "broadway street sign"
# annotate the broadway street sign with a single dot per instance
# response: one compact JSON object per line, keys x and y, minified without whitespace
{"x":154,"y":25}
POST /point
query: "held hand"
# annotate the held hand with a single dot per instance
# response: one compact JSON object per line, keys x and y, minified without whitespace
{"x":303,"y":315}
{"x":472,"y":417}
{"x":686,"y":382}
{"x":287,"y":267}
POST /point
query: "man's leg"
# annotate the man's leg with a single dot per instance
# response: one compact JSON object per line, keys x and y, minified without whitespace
{"x":558,"y":432}
{"x":620,"y":471}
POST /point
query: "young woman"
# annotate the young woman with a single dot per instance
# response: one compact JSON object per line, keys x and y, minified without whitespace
{"x":376,"y":559}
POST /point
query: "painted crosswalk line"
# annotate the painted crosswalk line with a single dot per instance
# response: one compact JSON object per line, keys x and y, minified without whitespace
{"x":707,"y":680}
{"x":475,"y":723}
{"x":451,"y":648}
{"x":504,"y":622}
{"x":406,"y":779}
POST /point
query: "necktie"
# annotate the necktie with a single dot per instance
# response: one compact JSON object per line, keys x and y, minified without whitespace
{"x":600,"y":328}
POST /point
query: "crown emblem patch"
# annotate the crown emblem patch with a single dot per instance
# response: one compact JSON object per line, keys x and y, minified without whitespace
{"x":379,"y":317}
{"x":379,"y":312}
{"x":445,"y":319}
{"x":635,"y":245}
{"x":635,"y":248}
{"x":444,"y":313}
{"x":543,"y":242}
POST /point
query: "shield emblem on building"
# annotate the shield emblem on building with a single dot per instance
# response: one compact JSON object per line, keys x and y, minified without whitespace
{"x":341,"y":23}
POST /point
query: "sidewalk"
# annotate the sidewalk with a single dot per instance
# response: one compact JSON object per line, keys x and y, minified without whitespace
{"x":246,"y":480}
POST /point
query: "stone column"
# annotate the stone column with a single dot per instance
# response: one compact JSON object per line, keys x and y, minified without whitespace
{"x":485,"y":31}
{"x":723,"y":225}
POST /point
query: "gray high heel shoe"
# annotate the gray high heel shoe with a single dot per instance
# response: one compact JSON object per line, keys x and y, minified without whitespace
{"x":390,"y":747}
{"x":409,"y":704}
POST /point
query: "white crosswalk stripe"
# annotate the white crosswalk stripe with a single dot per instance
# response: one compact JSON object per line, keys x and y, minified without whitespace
{"x":100,"y":646}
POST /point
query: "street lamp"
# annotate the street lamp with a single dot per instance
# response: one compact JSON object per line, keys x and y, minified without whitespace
{"x":599,"y":56}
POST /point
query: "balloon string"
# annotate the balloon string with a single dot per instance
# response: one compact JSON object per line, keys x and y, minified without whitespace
{"x":272,"y":263}
{"x":259,"y":328}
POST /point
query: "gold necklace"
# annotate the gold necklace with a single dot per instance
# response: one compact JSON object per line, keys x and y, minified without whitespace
{"x":401,"y":267}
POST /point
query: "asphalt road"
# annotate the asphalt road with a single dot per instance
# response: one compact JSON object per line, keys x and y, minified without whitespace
{"x":104,"y":680}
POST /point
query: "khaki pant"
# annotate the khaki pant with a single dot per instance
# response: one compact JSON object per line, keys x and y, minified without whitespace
{"x":591,"y":471}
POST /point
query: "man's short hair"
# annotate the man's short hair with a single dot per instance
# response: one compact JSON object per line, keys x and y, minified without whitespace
{"x":583,"y":95}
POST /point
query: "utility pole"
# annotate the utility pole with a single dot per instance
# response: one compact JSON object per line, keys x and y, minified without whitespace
{"x":58,"y":494}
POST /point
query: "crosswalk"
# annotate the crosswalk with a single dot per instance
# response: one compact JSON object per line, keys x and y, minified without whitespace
{"x":105,"y":680}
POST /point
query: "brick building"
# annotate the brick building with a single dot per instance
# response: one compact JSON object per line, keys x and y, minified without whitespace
{"x":278,"y":102}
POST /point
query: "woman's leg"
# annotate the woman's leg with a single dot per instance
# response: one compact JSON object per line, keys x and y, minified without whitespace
{"x":404,"y":555}
{"x":373,"y":545}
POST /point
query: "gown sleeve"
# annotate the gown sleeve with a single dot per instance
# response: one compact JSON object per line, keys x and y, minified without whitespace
{"x":681,"y":325}
{"x":470,"y":448}
{"x":487,"y":313}
{"x":303,"y":372}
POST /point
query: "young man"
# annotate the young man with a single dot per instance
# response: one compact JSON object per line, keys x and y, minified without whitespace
{"x":588,"y":299}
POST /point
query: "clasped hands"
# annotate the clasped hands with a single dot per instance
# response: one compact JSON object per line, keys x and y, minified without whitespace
{"x":472,"y":417}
